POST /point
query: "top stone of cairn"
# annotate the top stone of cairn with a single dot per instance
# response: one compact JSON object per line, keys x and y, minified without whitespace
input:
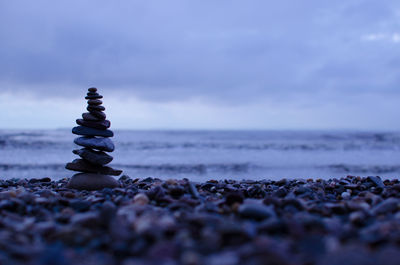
{"x":92,"y":94}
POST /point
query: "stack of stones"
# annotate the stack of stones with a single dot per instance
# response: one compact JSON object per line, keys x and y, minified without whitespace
{"x":95,"y":140}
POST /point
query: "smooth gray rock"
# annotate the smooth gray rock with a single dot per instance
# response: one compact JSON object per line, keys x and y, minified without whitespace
{"x":387,"y":206}
{"x":92,"y":90}
{"x":87,"y":219}
{"x":98,"y":114}
{"x":256,"y":211}
{"x":89,"y":117}
{"x":94,"y":157}
{"x":102,"y":144}
{"x":95,"y":108}
{"x":100,"y":125}
{"x":95,"y":102}
{"x":377,"y":181}
{"x":84,"y":166}
{"x":93,"y":96}
{"x":90,"y":181}
{"x":83,"y":130}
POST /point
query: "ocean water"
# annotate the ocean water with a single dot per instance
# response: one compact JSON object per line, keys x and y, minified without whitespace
{"x":203,"y":155}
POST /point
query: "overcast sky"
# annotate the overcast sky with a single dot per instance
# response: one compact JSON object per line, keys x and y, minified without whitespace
{"x":202,"y":64}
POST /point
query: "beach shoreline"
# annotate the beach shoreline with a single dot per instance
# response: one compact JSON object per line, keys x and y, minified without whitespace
{"x":352,"y":220}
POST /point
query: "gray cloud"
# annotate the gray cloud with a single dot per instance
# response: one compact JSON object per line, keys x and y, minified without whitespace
{"x":229,"y":51}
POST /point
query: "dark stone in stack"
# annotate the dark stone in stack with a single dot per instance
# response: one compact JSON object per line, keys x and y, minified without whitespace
{"x":94,"y":129}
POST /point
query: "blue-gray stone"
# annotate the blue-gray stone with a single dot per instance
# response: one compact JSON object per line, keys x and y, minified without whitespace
{"x":377,"y":181}
{"x":87,"y":131}
{"x":98,"y":114}
{"x":256,"y":211}
{"x":91,"y":181}
{"x":387,"y":206}
{"x":91,"y":95}
{"x":99,"y":125}
{"x":95,"y":108}
{"x":102,"y":144}
{"x":90,"y":117}
{"x":94,"y":157}
{"x":95,"y":102}
{"x":84,"y":166}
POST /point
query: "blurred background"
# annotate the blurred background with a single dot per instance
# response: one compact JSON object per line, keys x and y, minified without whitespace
{"x":204,"y":89}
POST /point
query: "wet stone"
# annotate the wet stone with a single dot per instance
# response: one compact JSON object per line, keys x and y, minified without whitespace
{"x":107,"y":212}
{"x":93,"y":96}
{"x":100,"y":125}
{"x":90,"y":117}
{"x":176,"y":191}
{"x":34,"y":180}
{"x":91,"y":108}
{"x":95,"y":102}
{"x":157,"y":193}
{"x":256,"y":211}
{"x":79,"y":205}
{"x":98,"y":114}
{"x":94,"y":157}
{"x":87,"y":131}
{"x":85,"y":219}
{"x":387,"y":206}
{"x":234,"y":197}
{"x":141,"y":199}
{"x":281,"y":192}
{"x":102,"y":144}
{"x":357,"y":218}
{"x":84,"y":166}
{"x":193,"y":190}
{"x":377,"y":181}
{"x":90,"y":181}
{"x":345,"y":195}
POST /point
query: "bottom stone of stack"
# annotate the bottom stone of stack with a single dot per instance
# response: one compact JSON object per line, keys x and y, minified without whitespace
{"x":92,"y":181}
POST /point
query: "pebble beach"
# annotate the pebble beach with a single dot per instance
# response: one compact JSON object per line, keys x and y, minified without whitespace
{"x":199,"y":132}
{"x":351,"y":220}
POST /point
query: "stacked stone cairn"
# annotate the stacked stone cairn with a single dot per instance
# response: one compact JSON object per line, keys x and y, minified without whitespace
{"x":95,"y":139}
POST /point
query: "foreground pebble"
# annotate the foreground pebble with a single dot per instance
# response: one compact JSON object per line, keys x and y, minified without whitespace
{"x":351,"y":220}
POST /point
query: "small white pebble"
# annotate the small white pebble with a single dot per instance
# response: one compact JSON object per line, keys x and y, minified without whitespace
{"x":140,"y":199}
{"x":346,"y":195}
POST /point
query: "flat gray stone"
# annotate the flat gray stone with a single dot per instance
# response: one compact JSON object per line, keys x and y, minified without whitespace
{"x":94,"y":157}
{"x":90,"y":181}
{"x":89,"y":117}
{"x":95,"y":102}
{"x":95,"y":108}
{"x":100,"y":125}
{"x":387,"y":206}
{"x":93,"y":96}
{"x":256,"y":211}
{"x":83,"y":130}
{"x":98,"y":114}
{"x":102,"y":144}
{"x":377,"y":181}
{"x":82,"y":165}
